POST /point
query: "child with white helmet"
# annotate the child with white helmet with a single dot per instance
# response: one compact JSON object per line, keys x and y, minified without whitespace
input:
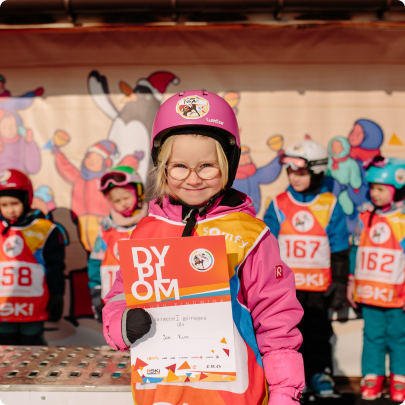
{"x":196,"y":150}
{"x":311,"y":230}
{"x":377,"y":279}
{"x":123,"y":189}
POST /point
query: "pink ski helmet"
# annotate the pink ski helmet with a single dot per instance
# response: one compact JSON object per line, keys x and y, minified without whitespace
{"x":202,"y":113}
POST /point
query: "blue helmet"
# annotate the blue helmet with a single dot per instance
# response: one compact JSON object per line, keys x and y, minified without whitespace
{"x":386,"y":171}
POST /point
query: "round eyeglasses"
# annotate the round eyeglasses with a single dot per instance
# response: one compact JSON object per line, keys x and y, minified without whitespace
{"x":179,"y":171}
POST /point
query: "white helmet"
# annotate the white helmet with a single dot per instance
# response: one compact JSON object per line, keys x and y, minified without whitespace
{"x":306,"y":154}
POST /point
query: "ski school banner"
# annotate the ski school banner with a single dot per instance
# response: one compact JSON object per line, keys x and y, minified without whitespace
{"x":73,"y":104}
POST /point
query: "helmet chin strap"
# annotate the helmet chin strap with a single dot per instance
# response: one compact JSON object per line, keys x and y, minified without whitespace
{"x":190,"y":219}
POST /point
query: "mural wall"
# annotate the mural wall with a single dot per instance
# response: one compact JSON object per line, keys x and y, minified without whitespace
{"x":74,"y":105}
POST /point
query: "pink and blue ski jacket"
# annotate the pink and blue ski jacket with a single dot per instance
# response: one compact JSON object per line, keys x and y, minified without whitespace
{"x":264,"y":305}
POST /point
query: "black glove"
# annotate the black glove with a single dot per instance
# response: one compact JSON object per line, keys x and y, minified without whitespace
{"x":138,"y":324}
{"x":337,"y":294}
{"x":97,"y":303}
{"x":340,"y":274}
{"x":55,"y":307}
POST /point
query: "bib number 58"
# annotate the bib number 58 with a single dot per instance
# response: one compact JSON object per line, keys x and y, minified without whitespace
{"x":12,"y":276}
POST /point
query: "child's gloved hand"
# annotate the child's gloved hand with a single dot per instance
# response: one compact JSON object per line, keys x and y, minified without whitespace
{"x":350,"y":292}
{"x":55,"y":307}
{"x":138,"y":324}
{"x":337,"y":294}
{"x":97,"y":303}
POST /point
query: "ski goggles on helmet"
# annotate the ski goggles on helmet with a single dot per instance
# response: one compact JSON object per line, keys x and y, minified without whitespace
{"x":297,"y":163}
{"x":377,"y":161}
{"x":117,"y":179}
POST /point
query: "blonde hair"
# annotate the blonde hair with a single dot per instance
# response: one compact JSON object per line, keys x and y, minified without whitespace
{"x":161,"y":187}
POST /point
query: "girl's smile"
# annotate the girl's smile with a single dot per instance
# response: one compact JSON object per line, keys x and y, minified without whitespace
{"x":193,"y":152}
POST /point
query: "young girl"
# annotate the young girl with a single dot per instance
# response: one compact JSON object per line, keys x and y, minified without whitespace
{"x":378,"y":285}
{"x":196,"y":158}
{"x":124,"y":190}
{"x":32,"y":263}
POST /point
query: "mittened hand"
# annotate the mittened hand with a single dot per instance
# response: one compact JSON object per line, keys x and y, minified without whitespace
{"x":337,"y":294}
{"x":55,"y":307}
{"x":97,"y":304}
{"x":138,"y":324}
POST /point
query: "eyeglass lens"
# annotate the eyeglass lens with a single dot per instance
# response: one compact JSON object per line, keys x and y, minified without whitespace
{"x":204,"y":172}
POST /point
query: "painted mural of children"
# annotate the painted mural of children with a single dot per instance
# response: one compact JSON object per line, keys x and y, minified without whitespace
{"x":249,"y":177}
{"x":88,"y":203}
{"x":44,"y":201}
{"x":32,"y":265}
{"x":311,"y":230}
{"x":123,"y":189}
{"x":377,"y":279}
{"x":345,"y":170}
{"x":196,"y":162}
{"x":18,"y":150}
{"x":365,"y":140}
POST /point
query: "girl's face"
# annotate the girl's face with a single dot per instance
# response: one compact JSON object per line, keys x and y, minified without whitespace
{"x":11,"y":208}
{"x":300,"y":179}
{"x":193,"y":151}
{"x":94,"y":162}
{"x":356,"y":137}
{"x":380,"y":194}
{"x":8,"y":127}
{"x":121,"y":199}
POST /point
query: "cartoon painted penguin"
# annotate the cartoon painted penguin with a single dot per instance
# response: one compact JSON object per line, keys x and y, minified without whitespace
{"x":132,"y":126}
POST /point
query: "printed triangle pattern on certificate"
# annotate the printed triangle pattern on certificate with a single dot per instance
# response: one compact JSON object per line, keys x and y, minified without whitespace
{"x":172,"y":368}
{"x":171,"y":376}
{"x":203,"y":376}
{"x":139,"y":364}
{"x":184,"y":366}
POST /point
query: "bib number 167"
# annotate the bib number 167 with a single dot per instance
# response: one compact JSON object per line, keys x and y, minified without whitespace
{"x":301,"y":248}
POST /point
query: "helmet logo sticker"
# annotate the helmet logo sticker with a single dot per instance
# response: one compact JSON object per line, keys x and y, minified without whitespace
{"x":380,"y":233}
{"x":303,"y":221}
{"x":400,"y":176}
{"x":201,"y":260}
{"x":299,"y":147}
{"x":4,"y":175}
{"x":13,"y":246}
{"x":193,"y":107}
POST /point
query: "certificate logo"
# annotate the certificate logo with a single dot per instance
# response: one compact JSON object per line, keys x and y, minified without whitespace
{"x":201,"y":260}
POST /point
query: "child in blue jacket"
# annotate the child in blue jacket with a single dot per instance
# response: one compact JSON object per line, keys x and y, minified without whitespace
{"x":311,"y":230}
